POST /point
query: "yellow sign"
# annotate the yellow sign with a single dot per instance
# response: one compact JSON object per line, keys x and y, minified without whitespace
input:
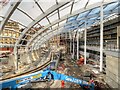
{"x":37,"y":76}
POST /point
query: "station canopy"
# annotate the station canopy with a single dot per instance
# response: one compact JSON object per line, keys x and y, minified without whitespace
{"x":42,"y":19}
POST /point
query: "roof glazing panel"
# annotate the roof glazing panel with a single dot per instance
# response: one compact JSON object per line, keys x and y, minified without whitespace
{"x":46,"y":4}
{"x":79,"y":4}
{"x":72,"y":18}
{"x":30,"y":8}
{"x":53,"y":17}
{"x":95,"y":10}
{"x":92,"y":16}
{"x":44,"y":22}
{"x":65,"y":11}
{"x":21,"y":17}
{"x":62,"y":22}
{"x":110,"y":7}
{"x":5,"y":7}
{"x":93,"y":1}
{"x":81,"y":15}
{"x":54,"y":26}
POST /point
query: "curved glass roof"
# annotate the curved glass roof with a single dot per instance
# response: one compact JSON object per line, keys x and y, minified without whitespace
{"x":37,"y":18}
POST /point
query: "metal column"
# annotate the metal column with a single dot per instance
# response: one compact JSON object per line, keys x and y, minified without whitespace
{"x":73,"y":46}
{"x":77,"y":45}
{"x":101,"y":39}
{"x":85,"y":40}
{"x":70,"y":42}
{"x":16,"y":58}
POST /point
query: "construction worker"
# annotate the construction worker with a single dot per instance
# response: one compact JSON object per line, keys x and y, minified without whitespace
{"x":81,"y":60}
{"x":49,"y":76}
{"x":62,"y":84}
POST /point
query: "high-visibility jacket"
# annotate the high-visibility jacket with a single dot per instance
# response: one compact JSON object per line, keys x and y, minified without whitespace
{"x":62,"y":84}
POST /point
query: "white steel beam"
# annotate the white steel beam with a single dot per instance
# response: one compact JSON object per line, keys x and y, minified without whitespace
{"x":2,"y":45}
{"x":25,"y":13}
{"x":47,"y":32}
{"x":85,"y":41}
{"x":36,"y":40}
{"x":44,"y":40}
{"x":70,"y":15}
{"x":40,"y":17}
{"x":47,"y":35}
{"x":9,"y":13}
{"x":8,"y":37}
{"x":77,"y":45}
{"x":10,"y":29}
{"x":70,"y":41}
{"x":73,"y":45}
{"x":101,"y":39}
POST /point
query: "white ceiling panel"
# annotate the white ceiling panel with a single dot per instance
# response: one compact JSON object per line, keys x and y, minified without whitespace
{"x":62,"y":22}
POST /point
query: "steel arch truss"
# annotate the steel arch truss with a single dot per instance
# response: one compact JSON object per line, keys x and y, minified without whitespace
{"x":70,"y":15}
{"x":49,"y":28}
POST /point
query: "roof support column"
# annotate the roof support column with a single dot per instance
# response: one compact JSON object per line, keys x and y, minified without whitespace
{"x":77,"y":45}
{"x":73,"y":46}
{"x":70,"y":42}
{"x":66,"y":40}
{"x":16,"y":59}
{"x":85,"y":40}
{"x":101,"y":39}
